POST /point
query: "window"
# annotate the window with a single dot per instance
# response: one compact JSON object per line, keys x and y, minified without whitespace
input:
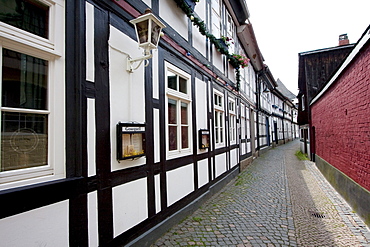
{"x":178,"y":111}
{"x":24,"y":114}
{"x":230,"y":33}
{"x":219,"y":118}
{"x":216,"y":18}
{"x":232,"y":121}
{"x":29,"y":15}
{"x":32,"y":92}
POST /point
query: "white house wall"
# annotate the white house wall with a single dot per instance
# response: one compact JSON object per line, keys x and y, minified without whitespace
{"x":234,"y":157}
{"x":220,"y":164}
{"x":203,"y":177}
{"x":157,"y":137}
{"x":180,"y":182}
{"x":45,"y":226}
{"x":201,"y":109}
{"x":129,"y":205}
{"x":92,"y":203}
{"x":170,"y":13}
{"x":157,"y":189}
{"x":90,"y":61}
{"x":126,"y":90}
{"x":91,"y":140}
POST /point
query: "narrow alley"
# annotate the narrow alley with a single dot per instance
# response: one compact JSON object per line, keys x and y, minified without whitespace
{"x":278,"y":200}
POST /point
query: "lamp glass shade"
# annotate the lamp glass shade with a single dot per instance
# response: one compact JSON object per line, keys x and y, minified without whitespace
{"x":148,"y":29}
{"x":142,"y":31}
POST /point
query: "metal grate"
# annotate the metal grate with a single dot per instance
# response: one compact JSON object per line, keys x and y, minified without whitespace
{"x":318,"y":215}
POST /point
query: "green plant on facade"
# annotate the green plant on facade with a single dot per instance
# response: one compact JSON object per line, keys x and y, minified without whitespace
{"x":234,"y":61}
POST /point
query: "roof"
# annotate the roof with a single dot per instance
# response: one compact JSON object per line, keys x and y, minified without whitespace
{"x":363,"y":41}
{"x":326,"y":49}
{"x":282,"y":89}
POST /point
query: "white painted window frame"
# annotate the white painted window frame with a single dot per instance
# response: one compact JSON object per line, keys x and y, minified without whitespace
{"x":52,"y":50}
{"x":179,"y":97}
{"x":232,"y":121}
{"x":219,"y":124}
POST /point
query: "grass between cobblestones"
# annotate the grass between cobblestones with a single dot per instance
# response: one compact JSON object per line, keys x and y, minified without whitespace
{"x":301,"y":156}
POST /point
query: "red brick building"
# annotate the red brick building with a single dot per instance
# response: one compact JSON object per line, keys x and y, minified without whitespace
{"x":341,"y":128}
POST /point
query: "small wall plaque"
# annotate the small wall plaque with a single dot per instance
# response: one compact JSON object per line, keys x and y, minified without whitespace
{"x":203,"y":138}
{"x":130,"y":140}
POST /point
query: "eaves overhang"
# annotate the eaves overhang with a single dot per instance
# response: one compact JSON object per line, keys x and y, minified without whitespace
{"x":240,"y":10}
{"x":249,"y":42}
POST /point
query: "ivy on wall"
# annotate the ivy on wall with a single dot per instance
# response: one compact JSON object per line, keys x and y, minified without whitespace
{"x":215,"y":41}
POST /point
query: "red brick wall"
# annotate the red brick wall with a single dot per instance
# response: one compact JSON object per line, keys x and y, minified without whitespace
{"x":342,"y":121}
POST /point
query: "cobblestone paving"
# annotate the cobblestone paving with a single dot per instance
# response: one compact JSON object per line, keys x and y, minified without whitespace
{"x":277,"y":201}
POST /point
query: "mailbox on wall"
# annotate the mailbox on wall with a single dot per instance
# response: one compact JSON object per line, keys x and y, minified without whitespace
{"x":203,"y":138}
{"x":130,"y":140}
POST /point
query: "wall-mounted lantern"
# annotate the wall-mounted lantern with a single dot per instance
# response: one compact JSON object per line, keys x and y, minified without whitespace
{"x":148,"y":32}
{"x":203,"y":139}
{"x":130,"y":140}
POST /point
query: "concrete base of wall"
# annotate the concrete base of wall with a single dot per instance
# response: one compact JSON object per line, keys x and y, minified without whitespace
{"x":356,"y":196}
{"x":157,"y":231}
{"x":246,"y":162}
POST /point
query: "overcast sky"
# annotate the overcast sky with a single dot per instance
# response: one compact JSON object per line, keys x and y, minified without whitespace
{"x":287,"y":27}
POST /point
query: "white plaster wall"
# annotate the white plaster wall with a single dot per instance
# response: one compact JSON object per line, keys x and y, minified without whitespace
{"x":45,"y":226}
{"x":91,"y":138}
{"x":90,"y":61}
{"x":172,"y":14}
{"x":231,"y":73}
{"x":157,"y":138}
{"x":199,"y":41}
{"x":220,"y":164}
{"x":234,"y":157}
{"x":155,"y":74}
{"x":203,"y":177}
{"x":242,"y":147}
{"x":201,"y":109}
{"x":180,"y":182}
{"x":126,"y":90}
{"x":130,"y":205}
{"x":92,"y":210}
{"x":157,"y":188}
{"x":217,"y":59}
{"x":148,"y":2}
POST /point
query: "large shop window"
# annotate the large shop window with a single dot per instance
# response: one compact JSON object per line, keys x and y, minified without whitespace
{"x":178,"y":112}
{"x":32,"y":119}
{"x":219,"y":118}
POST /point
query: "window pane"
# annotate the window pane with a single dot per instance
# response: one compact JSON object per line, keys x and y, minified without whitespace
{"x":183,"y":85}
{"x":172,"y":80}
{"x":184,"y":113}
{"x":29,"y":15}
{"x":216,"y":133}
{"x":172,"y":137}
{"x":24,"y":81}
{"x":172,"y":116}
{"x":24,"y":140}
{"x":184,"y":137}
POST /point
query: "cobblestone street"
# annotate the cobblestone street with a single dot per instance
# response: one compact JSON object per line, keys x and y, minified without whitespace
{"x":277,"y":201}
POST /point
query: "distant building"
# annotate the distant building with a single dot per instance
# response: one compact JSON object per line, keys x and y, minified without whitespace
{"x":340,"y":128}
{"x":315,"y":69}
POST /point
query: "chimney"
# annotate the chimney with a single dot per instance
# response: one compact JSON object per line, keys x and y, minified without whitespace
{"x":343,"y":39}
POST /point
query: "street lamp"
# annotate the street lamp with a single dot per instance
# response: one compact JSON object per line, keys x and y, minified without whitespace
{"x":148,"y":31}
